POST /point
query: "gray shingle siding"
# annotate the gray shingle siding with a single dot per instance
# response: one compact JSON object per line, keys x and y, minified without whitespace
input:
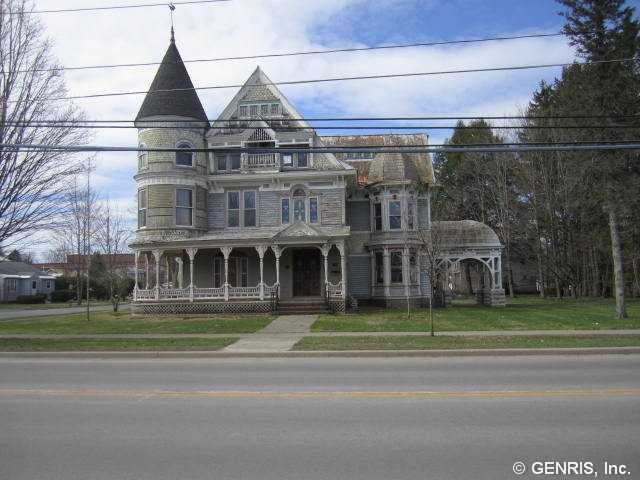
{"x":270,"y":208}
{"x":358,"y":273}
{"x":423,"y":213}
{"x":332,"y":206}
{"x":358,"y":216}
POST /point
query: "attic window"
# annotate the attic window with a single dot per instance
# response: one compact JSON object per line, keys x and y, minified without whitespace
{"x":274,"y":108}
{"x":243,"y":111}
{"x":184,"y":159}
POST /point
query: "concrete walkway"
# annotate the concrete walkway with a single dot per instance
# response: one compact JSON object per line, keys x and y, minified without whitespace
{"x":9,"y":313}
{"x":279,"y":336}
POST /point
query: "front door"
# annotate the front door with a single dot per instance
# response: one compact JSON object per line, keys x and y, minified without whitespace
{"x":306,"y":272}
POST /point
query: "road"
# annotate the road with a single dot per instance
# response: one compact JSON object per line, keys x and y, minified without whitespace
{"x":10,"y":313}
{"x":443,"y":418}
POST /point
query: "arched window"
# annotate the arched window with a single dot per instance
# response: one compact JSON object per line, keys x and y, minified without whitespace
{"x":299,"y":205}
{"x":143,"y":161}
{"x":184,"y":158}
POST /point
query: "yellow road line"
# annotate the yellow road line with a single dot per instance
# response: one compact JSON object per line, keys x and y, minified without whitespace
{"x":126,"y":393}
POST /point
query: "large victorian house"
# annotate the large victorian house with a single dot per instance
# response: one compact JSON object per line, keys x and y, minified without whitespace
{"x":221,"y":228}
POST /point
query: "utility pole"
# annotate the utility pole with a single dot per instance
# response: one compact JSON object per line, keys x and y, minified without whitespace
{"x":88,"y":233}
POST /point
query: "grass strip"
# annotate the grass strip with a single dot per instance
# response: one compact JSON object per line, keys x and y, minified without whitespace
{"x":112,"y":344}
{"x":455,"y":343}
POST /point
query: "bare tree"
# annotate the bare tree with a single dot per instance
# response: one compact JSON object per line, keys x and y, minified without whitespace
{"x":31,"y":180}
{"x":112,"y":236}
{"x":431,"y":253}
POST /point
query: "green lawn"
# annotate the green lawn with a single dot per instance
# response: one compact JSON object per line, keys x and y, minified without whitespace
{"x":453,"y":343}
{"x":124,"y":322}
{"x":138,"y":344}
{"x":46,"y":306}
{"x":521,"y":313}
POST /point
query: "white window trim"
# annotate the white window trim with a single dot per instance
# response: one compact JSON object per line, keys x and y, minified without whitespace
{"x":145,"y":164}
{"x":226,"y":210}
{"x":388,"y":216}
{"x":193,"y":201}
{"x":241,"y":207}
{"x":146,"y":208}
{"x":193,"y":154}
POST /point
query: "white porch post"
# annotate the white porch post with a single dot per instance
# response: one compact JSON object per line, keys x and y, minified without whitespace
{"x":419,"y":271}
{"x":499,"y":272}
{"x":136,"y":254}
{"x":226,"y":251}
{"x":180,"y":272}
{"x":406,"y":270}
{"x":277,"y":252}
{"x":192,"y":254}
{"x":325,"y":255}
{"x":167,"y":271}
{"x":261,"y":249}
{"x":372,"y":272}
{"x":157,"y":254}
{"x":386,"y":270}
{"x":146,"y":272}
{"x":343,"y":269}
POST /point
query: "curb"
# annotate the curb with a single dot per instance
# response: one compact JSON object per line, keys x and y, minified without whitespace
{"x":498,"y":352}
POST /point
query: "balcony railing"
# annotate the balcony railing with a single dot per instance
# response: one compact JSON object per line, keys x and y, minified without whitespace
{"x":201,"y":293}
{"x":260,"y":161}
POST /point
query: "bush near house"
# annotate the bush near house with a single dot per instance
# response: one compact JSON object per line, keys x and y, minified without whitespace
{"x":31,"y":299}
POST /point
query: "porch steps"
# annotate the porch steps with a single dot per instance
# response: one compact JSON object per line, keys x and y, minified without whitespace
{"x":302,"y":306}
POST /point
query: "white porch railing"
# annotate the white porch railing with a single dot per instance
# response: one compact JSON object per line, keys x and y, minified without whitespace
{"x":269,"y":289}
{"x":145,"y":294}
{"x":208,"y":293}
{"x":174,"y":293}
{"x":261,"y":161}
{"x":334,"y":291}
{"x":244,"y":292}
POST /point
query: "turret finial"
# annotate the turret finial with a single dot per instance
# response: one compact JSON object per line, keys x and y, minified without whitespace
{"x":172,"y":7}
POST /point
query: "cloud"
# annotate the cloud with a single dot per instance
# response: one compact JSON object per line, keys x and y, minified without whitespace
{"x":255,"y":27}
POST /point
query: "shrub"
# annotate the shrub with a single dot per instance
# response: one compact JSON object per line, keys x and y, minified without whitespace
{"x":28,"y":299}
{"x":63,"y":295}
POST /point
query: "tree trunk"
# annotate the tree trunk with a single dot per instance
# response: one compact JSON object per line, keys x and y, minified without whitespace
{"x":618,"y":274}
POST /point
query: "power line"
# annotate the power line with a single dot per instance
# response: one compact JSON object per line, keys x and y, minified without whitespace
{"x":117,"y":7}
{"x":342,"y":79}
{"x":336,"y":127}
{"x":364,"y":119}
{"x":301,"y":53}
{"x":405,"y":149}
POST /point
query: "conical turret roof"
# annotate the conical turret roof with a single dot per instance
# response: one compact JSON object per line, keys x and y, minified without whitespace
{"x":171,"y":92}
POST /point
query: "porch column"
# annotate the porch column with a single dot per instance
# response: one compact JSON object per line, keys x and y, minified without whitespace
{"x":277,"y":252}
{"x":157,"y":254}
{"x":419,"y":271}
{"x":166,"y":265}
{"x":192,"y":255}
{"x":386,"y":261}
{"x":406,"y":270}
{"x":499,"y":272}
{"x":180,"y":272}
{"x":136,"y":254}
{"x":226,"y":251}
{"x":372,"y":272}
{"x":343,"y":269}
{"x":326,"y":248}
{"x":261,"y":249}
{"x":146,"y":272}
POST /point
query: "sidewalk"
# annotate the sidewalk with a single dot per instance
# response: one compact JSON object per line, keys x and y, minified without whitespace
{"x":279,"y":336}
{"x":45,"y":312}
{"x":280,"y":333}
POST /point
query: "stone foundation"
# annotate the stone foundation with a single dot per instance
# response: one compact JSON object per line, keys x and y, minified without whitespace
{"x":491,"y":297}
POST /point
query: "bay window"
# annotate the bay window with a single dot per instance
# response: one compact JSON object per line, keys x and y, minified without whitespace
{"x":285,"y":211}
{"x":377,"y":216}
{"x":142,"y":207}
{"x":395,"y":215}
{"x":379,"y":260}
{"x":396,"y":267}
{"x":184,"y":207}
{"x":184,"y":158}
{"x":313,"y":210}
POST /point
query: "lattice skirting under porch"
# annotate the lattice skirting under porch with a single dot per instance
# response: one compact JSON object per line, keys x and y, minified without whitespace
{"x":200,"y":308}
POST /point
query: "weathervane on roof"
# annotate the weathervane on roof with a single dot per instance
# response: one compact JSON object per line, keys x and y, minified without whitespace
{"x":172,"y":7}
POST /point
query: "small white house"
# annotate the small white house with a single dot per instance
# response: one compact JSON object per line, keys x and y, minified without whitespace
{"x":21,"y":279}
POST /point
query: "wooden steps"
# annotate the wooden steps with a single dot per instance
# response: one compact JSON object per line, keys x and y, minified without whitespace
{"x":302,"y":305}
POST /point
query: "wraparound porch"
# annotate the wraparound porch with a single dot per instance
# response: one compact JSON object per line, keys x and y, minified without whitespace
{"x":240,"y":273}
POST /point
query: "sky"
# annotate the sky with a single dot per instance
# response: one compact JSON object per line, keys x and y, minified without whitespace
{"x":250,"y":27}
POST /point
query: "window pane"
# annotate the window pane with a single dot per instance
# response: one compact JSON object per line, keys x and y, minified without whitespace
{"x":184,"y":158}
{"x":285,"y":210}
{"x":221,"y":161}
{"x":396,"y":267}
{"x":184,"y":197}
{"x":243,"y":111}
{"x":313,"y":210}
{"x":287,"y":159}
{"x":254,"y":110}
{"x":379,"y":268}
{"x":298,"y":209}
{"x":274,"y":109}
{"x":183,"y":216}
{"x":249,"y":218}
{"x":235,"y":161}
{"x":394,"y":208}
{"x":302,"y":159}
{"x":233,"y":200}
{"x":234,"y":218}
{"x":395,"y":221}
{"x":249,"y":199}
{"x":264,"y":109}
{"x":142,"y":199}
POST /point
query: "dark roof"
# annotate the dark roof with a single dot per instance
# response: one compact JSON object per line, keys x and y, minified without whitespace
{"x":8,"y":267}
{"x":171,"y":75}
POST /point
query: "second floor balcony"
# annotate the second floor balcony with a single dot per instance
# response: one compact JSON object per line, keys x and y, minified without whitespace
{"x":260,"y":162}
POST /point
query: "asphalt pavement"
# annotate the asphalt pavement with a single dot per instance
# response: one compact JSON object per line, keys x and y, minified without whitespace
{"x":11,"y":313}
{"x":326,"y":418}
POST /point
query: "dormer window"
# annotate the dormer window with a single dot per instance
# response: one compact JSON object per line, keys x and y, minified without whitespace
{"x":253,"y":110}
{"x":243,"y":111}
{"x":275,"y":109}
{"x":184,"y":158}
